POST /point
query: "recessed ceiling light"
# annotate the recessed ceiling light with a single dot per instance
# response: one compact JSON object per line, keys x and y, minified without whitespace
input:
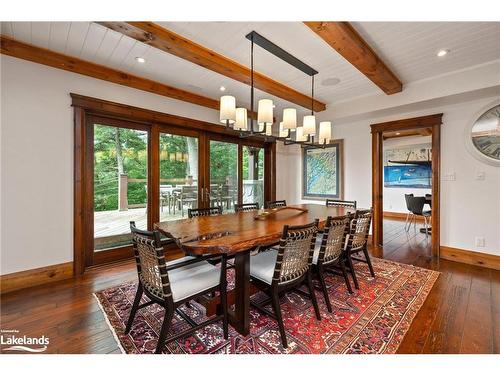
{"x":442,"y":52}
{"x":222,"y":88}
{"x":332,"y":81}
{"x":398,"y":133}
{"x":141,"y":60}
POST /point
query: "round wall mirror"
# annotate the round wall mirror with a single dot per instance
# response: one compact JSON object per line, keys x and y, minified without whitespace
{"x":485,"y":136}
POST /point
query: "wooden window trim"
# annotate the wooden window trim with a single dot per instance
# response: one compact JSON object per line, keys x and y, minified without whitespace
{"x":86,"y":111}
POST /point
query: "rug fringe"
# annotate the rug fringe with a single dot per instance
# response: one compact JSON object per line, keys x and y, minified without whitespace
{"x":109,"y":324}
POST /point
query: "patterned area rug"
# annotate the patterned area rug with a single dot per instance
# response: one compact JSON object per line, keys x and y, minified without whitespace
{"x":372,"y":320}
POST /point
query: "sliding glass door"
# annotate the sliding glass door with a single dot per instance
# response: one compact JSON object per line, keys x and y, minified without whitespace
{"x":120,"y":164}
{"x":179,"y":181}
{"x":253,"y":175}
{"x":148,"y":173}
{"x":223,"y":170}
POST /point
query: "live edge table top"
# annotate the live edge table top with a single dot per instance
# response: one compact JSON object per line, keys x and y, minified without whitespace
{"x":233,"y":233}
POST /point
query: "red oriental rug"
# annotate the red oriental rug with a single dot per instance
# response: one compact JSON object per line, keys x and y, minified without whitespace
{"x":372,"y":320}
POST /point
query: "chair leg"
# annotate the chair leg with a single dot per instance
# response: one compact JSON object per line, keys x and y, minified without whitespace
{"x":368,"y":260}
{"x":346,"y":278}
{"x":135,"y":305}
{"x":321,"y":277}
{"x":167,"y":322}
{"x":313,"y":295}
{"x":223,"y":298}
{"x":353,"y":273}
{"x":406,"y":221}
{"x":277,"y":311}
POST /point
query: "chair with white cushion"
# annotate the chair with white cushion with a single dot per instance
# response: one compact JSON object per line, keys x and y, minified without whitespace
{"x":329,"y":253}
{"x":277,"y":271}
{"x":172,"y":284}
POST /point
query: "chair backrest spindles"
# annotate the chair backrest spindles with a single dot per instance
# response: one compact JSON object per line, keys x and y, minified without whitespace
{"x":340,"y":203}
{"x":275,"y":204}
{"x":359,"y":228}
{"x":244,"y":207}
{"x":150,"y":262}
{"x":295,"y":252}
{"x":334,"y":237}
{"x":209,"y":211}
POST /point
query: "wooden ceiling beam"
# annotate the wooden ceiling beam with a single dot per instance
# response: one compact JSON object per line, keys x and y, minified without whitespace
{"x":175,"y":44}
{"x":342,"y":37}
{"x":57,"y":60}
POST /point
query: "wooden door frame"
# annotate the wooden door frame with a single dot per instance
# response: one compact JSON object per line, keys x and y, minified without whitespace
{"x":431,"y":121}
{"x":155,"y":122}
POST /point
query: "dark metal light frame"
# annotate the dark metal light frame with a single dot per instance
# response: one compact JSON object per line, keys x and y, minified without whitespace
{"x":256,"y":38}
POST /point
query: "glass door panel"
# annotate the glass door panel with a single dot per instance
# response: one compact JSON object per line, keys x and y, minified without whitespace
{"x":120,"y":184}
{"x":178,"y":175}
{"x":223,"y":190}
{"x":253,"y":175}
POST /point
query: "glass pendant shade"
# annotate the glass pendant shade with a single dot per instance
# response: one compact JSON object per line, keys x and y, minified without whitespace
{"x":269,"y":129}
{"x":283,"y":131}
{"x":227,"y":109}
{"x":241,"y":122}
{"x":309,"y":125}
{"x":299,"y":135}
{"x":265,"y":112}
{"x":289,"y":118}
{"x":325,"y":132}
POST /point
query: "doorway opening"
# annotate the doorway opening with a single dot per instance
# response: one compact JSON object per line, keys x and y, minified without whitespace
{"x":405,"y":185}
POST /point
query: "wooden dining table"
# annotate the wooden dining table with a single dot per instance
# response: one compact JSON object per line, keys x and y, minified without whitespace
{"x":236,"y":234}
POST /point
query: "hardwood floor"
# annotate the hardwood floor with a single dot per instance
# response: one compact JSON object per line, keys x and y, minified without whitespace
{"x":460,"y":315}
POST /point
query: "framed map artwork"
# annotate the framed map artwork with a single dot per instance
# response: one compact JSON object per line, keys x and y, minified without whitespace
{"x":323,"y":171}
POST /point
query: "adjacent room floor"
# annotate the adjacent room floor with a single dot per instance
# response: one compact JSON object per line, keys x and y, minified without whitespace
{"x":460,"y":315}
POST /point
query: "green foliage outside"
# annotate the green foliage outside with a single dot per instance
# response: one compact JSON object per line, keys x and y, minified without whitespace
{"x":123,"y":149}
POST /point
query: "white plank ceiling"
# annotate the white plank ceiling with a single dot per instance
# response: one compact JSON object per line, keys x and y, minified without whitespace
{"x":408,"y":48}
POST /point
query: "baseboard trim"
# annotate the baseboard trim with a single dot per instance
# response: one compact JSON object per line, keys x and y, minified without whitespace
{"x":38,"y":276}
{"x":400,"y":216}
{"x":470,"y":257}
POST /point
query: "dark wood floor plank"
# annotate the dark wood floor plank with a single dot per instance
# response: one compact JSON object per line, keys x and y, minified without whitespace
{"x":447,"y":328}
{"x":495,"y":309}
{"x":478,"y":326}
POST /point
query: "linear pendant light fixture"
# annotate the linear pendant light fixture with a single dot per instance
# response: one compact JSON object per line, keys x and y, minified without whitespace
{"x":238,"y":119}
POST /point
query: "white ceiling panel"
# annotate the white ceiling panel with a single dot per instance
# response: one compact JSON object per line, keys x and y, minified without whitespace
{"x":22,"y":31}
{"x":410,"y":48}
{"x":7,"y":29}
{"x":93,"y":41}
{"x":59,"y":36}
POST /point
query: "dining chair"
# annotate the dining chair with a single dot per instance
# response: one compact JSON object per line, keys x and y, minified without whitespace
{"x":244,"y":207}
{"x":288,"y":267}
{"x":173,"y":284}
{"x":188,"y":196}
{"x":209,"y":211}
{"x":329,"y":253}
{"x":340,"y":203}
{"x":409,"y":215}
{"x":417,"y":208}
{"x":357,"y":240}
{"x":275,"y":204}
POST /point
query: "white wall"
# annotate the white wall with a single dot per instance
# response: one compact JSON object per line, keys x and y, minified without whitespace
{"x":37,"y":157}
{"x":394,"y":197}
{"x":469,"y":207}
